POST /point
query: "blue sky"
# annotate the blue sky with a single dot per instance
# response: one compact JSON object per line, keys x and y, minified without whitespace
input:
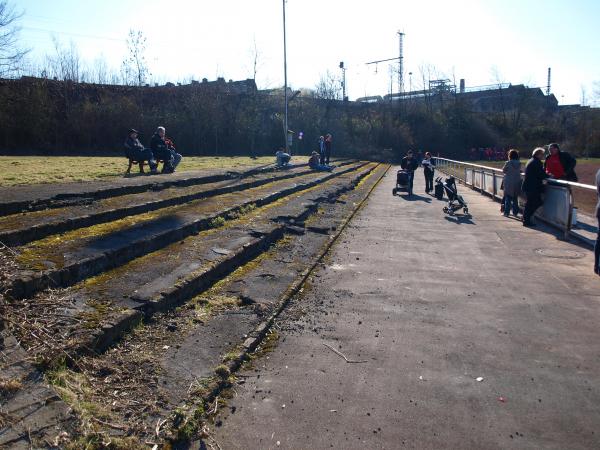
{"x":481,"y":41}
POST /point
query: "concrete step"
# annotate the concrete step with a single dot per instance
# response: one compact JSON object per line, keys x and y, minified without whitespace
{"x":16,"y":199}
{"x":186,"y":344}
{"x":229,"y":256}
{"x":21,"y":228}
{"x":36,"y":197}
{"x":174,"y":274}
{"x":60,"y":261}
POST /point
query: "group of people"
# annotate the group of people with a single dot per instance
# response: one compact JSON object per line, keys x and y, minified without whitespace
{"x":488,"y":154}
{"x":319,"y":160}
{"x":551,"y":164}
{"x":558,"y":165}
{"x":410,"y":163}
{"x":161,"y":149}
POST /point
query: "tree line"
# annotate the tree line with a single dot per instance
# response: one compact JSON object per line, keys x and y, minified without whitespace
{"x":64,"y":117}
{"x":70,"y":107}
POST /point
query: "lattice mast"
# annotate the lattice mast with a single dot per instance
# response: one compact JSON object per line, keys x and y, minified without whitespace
{"x":401,"y":62}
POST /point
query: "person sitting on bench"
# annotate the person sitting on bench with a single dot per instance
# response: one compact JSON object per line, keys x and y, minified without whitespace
{"x":164,"y":151}
{"x":136,"y":152}
{"x":315,"y":163}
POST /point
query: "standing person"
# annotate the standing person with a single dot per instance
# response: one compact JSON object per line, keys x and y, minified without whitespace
{"x":559,"y":164}
{"x":597,"y":248}
{"x":512,"y":183}
{"x":409,"y":163}
{"x":428,"y":171}
{"x":328,"y":139}
{"x":533,"y":185}
{"x":322,"y":149}
{"x":136,"y":151}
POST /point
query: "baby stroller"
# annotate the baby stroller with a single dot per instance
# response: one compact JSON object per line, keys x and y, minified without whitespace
{"x":402,"y":181}
{"x":455,"y":201}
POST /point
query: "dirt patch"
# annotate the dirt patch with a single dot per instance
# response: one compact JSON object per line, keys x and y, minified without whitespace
{"x":586,"y":199}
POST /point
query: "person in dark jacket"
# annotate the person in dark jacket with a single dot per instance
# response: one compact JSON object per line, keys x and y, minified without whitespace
{"x":428,"y":170}
{"x":136,"y":151}
{"x":597,"y":248}
{"x":321,"y":151}
{"x":533,"y":185}
{"x":163,"y":149}
{"x":559,"y":164}
{"x":410,"y":164}
{"x":328,"y":139}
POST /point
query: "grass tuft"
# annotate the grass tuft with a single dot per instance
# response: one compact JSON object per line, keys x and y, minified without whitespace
{"x":10,"y":386}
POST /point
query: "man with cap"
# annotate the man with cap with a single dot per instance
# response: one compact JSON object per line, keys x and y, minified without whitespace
{"x":134,"y":150}
{"x":410,"y":164}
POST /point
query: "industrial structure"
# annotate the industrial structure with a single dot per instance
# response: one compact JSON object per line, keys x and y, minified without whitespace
{"x":489,"y":98}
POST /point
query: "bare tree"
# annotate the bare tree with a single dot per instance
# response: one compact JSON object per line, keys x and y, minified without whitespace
{"x":100,"y":71}
{"x":65,"y":63}
{"x":255,"y":55}
{"x":499,"y":80}
{"x":596,"y":93}
{"x":11,"y":55}
{"x":328,"y":87}
{"x":135,"y":68}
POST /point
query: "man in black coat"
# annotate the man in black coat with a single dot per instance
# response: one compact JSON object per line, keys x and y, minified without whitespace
{"x":135,"y":150}
{"x":410,"y":164}
{"x":533,"y":185}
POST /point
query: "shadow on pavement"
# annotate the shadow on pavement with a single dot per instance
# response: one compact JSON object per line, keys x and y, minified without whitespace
{"x":415,"y":198}
{"x":460,"y":220}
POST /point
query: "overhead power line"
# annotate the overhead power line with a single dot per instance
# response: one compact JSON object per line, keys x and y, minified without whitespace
{"x":67,"y":33}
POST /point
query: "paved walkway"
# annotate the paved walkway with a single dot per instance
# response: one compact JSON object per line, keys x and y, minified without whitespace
{"x":470,"y":332}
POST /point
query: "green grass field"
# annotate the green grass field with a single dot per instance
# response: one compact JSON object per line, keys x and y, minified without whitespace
{"x":19,"y":170}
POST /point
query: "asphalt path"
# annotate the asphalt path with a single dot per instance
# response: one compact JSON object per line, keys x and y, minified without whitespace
{"x":468,"y":332}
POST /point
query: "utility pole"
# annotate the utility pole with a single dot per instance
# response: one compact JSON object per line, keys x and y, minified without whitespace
{"x":344,"y":98}
{"x":285,"y":87}
{"x":401,"y":63}
{"x":400,"y":59}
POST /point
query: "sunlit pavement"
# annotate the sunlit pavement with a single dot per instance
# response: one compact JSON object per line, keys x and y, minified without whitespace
{"x":466,"y":332}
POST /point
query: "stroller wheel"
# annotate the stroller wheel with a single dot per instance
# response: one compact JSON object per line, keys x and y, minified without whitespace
{"x":394,"y":191}
{"x":445,"y":209}
{"x":466,"y":210}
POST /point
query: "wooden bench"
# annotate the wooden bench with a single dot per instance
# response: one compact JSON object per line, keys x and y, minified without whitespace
{"x":141,"y":164}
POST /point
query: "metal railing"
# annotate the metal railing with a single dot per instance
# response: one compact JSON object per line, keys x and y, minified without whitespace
{"x":557,"y":209}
